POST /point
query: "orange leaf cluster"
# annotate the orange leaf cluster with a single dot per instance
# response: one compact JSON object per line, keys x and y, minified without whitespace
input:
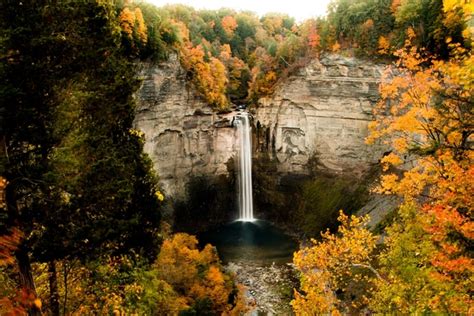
{"x":425,"y":112}
{"x":19,"y":304}
{"x":8,"y":244}
{"x":14,"y":302}
{"x":229,"y":24}
{"x":132,"y":22}
{"x":197,"y":275}
{"x":209,"y":74}
{"x":384,"y":45}
{"x":3,"y":187}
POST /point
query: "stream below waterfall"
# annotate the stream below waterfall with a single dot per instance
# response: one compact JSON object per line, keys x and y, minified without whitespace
{"x":257,"y":252}
{"x":257,"y":242}
{"x":260,"y":255}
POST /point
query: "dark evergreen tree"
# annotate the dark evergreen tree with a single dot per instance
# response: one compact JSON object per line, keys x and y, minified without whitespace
{"x":79,"y":184}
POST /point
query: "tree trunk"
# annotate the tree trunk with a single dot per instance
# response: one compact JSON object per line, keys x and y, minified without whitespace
{"x":26,"y":277}
{"x":65,"y":274}
{"x":53,"y":289}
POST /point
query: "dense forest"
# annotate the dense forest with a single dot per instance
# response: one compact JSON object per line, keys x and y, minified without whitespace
{"x":81,"y":227}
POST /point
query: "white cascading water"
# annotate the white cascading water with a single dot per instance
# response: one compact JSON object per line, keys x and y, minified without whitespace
{"x":245,"y":168}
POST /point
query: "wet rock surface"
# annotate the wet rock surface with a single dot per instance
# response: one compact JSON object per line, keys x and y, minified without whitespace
{"x":269,"y":288}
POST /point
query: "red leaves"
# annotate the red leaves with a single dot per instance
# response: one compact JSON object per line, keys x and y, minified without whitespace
{"x":16,"y":302}
{"x":8,"y":244}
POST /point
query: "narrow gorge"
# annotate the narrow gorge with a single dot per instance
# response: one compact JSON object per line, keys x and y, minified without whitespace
{"x":313,"y":127}
{"x":316,"y":121}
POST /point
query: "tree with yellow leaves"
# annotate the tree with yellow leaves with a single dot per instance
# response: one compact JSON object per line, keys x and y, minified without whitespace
{"x":337,"y":266}
{"x":426,"y":115}
{"x":134,"y":28}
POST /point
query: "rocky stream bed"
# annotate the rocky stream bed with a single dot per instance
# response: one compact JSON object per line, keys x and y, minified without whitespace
{"x":269,"y":288}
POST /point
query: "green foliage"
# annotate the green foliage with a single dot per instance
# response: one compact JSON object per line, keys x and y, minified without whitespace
{"x":269,"y":44}
{"x":413,"y":284}
{"x":77,"y":174}
{"x":150,"y":295}
{"x":321,"y":200}
{"x":359,"y":25}
{"x":202,"y":307}
{"x":406,"y":261}
{"x":305,"y":205}
{"x":162,"y":34}
{"x":211,"y":198}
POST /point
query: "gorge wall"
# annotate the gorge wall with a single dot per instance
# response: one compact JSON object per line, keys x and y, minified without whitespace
{"x":184,"y":137}
{"x":322,"y":113}
{"x":318,"y":114}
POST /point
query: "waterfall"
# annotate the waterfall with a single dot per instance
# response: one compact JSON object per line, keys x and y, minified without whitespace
{"x":245,"y":167}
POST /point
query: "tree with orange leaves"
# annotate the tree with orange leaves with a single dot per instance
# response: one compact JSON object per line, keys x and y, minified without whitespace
{"x":426,"y":116}
{"x":209,"y":77}
{"x":127,"y":21}
{"x":13,"y":301}
{"x":229,"y":24}
{"x":132,"y":23}
{"x":134,"y":28}
{"x":208,"y":73}
{"x":310,"y":33}
{"x":141,"y":28}
{"x":198,"y":277}
{"x":428,"y":107}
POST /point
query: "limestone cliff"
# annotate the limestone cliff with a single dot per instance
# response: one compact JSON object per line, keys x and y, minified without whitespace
{"x":322,"y":112}
{"x":183,"y":136}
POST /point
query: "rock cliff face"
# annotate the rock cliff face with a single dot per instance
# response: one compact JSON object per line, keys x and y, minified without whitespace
{"x":322,"y":112}
{"x":183,"y":136}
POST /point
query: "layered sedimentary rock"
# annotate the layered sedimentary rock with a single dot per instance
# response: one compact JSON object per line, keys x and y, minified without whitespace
{"x":183,"y":136}
{"x":321,"y":114}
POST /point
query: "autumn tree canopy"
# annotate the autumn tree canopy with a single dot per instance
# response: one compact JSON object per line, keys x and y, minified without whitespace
{"x":425,"y":264}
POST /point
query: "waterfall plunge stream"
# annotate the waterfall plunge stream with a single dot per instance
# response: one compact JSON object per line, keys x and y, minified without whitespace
{"x":245,"y":168}
{"x":255,"y":250}
{"x":248,"y":239}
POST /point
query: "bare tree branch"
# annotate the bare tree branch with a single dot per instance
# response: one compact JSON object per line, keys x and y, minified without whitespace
{"x":360,"y":265}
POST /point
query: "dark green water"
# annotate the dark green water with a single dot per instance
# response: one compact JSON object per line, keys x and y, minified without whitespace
{"x":257,"y":241}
